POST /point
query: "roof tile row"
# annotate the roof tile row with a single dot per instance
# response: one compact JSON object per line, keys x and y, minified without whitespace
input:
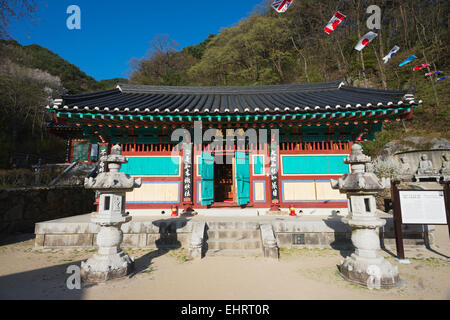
{"x":297,"y":98}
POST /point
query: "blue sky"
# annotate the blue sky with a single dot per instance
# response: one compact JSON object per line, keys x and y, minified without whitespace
{"x":113,"y":32}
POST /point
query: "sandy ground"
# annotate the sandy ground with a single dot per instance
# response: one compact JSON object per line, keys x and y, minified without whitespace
{"x":300,"y":274}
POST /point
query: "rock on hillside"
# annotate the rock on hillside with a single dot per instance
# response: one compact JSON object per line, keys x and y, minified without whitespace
{"x":413,"y":143}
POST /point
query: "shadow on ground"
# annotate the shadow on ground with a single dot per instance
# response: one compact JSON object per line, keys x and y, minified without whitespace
{"x":342,"y":234}
{"x":40,"y":284}
{"x":51,"y":282}
{"x":16,"y":238}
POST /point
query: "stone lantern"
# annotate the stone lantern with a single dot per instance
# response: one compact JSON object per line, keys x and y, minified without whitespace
{"x":365,"y":266}
{"x":110,"y":262}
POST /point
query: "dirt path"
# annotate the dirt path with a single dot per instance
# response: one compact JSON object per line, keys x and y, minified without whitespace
{"x":26,"y":273}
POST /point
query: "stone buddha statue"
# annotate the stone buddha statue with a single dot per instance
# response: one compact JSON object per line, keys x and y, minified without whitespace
{"x":405,"y":166}
{"x":426,"y":166}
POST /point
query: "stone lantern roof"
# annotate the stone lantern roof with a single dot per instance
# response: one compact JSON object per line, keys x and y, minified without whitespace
{"x":113,"y":180}
{"x":359,"y":180}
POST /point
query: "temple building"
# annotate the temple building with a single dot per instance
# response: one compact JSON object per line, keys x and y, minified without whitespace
{"x":274,"y":147}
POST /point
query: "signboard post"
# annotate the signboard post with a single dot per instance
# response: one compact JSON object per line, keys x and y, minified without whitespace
{"x":418,"y":207}
{"x":447,"y":205}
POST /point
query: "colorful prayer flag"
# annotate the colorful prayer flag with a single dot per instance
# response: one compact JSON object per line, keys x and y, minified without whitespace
{"x":432,"y":72}
{"x":334,"y":22}
{"x":281,"y":5}
{"x":394,"y":50}
{"x":366,"y":40}
{"x":408,"y":60}
{"x":443,"y":78}
{"x":422,"y":66}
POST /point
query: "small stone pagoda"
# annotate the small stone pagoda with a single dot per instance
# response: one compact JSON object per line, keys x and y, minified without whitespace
{"x":365,"y":267}
{"x":110,"y":261}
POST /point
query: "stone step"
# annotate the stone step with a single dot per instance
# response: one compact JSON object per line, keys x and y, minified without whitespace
{"x":244,"y":244}
{"x":233,"y":234}
{"x":235,"y":253}
{"x":232,"y":225}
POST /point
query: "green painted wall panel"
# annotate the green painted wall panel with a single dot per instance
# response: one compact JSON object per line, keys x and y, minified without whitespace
{"x":243,"y":177}
{"x":207,"y":182}
{"x":152,"y":166}
{"x":314,"y":165}
{"x":258,"y":165}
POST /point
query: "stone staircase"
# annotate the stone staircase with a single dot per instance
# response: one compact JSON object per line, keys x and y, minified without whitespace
{"x":75,"y":173}
{"x":233,"y":238}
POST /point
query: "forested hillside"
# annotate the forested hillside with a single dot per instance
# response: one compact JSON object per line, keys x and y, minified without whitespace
{"x":36,"y":57}
{"x":265,"y":48}
{"x":272,"y":48}
{"x":30,"y":76}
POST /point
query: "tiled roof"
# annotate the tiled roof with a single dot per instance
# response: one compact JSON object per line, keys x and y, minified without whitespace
{"x":293,"y":98}
{"x":61,"y":126}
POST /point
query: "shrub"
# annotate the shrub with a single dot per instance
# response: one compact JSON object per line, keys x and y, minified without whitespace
{"x":388,"y":168}
{"x":16,"y":178}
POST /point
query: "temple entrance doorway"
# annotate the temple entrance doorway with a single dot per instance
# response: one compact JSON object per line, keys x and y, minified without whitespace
{"x":223,"y":183}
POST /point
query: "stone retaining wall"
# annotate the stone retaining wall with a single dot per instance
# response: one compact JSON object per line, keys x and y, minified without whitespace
{"x":159,"y":234}
{"x":21,"y":208}
{"x":176,"y":233}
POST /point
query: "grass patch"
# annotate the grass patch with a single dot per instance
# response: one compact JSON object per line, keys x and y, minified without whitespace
{"x":150,"y":269}
{"x":181,"y":255}
{"x":432,"y":262}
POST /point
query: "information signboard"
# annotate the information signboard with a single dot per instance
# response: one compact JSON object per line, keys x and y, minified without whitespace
{"x":423,"y":207}
{"x":418,"y":207}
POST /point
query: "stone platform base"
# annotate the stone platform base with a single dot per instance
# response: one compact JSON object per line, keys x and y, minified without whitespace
{"x":102,"y":268}
{"x":170,"y":233}
{"x":372,"y":273}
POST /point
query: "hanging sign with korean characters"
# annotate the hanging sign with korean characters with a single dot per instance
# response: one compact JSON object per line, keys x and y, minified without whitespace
{"x":274,"y":173}
{"x":187,"y":173}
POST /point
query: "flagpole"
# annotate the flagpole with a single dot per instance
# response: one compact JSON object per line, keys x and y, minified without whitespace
{"x":358,"y":24}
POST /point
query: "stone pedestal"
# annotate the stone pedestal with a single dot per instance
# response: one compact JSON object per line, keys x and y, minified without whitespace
{"x":365,"y":266}
{"x":110,"y":262}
